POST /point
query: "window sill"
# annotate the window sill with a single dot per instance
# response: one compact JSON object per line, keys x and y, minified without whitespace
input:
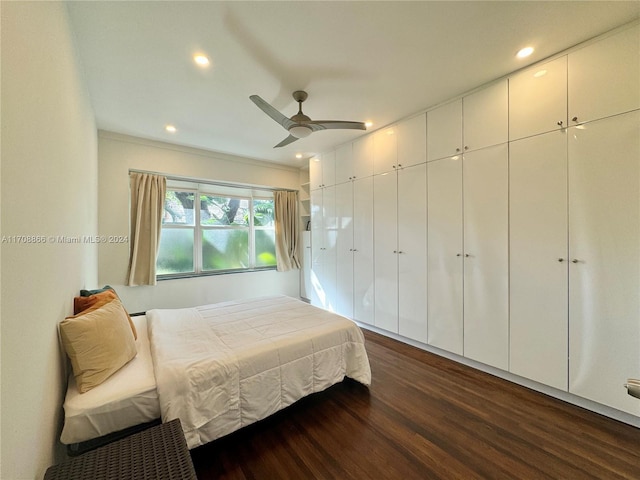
{"x":176,"y":276}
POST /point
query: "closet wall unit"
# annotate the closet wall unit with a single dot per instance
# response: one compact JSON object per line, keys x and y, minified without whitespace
{"x":503,"y":226}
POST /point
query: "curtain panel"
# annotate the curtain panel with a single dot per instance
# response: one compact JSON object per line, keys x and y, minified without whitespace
{"x":287,"y":230}
{"x":147,"y":205}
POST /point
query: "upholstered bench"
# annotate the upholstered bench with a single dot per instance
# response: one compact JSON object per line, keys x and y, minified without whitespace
{"x":158,"y":453}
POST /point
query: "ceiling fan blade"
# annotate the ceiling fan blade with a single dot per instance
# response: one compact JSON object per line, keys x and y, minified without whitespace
{"x":337,"y":124}
{"x":286,"y":141}
{"x":272,"y":112}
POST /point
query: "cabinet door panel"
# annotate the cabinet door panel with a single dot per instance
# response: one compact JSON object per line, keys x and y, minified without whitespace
{"x":385,"y":192}
{"x":444,"y":131}
{"x":344,"y":255}
{"x":412,"y":141}
{"x":344,"y":163}
{"x":538,"y":240}
{"x":538,"y":99}
{"x":604,"y":238}
{"x":316,"y":293}
{"x":412,"y":257}
{"x":363,"y":157}
{"x":604,"y":77}
{"x":330,"y":235}
{"x":328,"y":168}
{"x":385,"y":150}
{"x":363,"y":296}
{"x":486,"y":116}
{"x":315,"y":172}
{"x":486,"y":264}
{"x":444,"y":250}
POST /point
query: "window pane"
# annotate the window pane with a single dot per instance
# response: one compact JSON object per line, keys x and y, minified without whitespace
{"x":223,"y":210}
{"x":224,"y":249}
{"x":265,"y":248}
{"x":178,"y":208}
{"x":176,"y":251}
{"x":263,"y":213}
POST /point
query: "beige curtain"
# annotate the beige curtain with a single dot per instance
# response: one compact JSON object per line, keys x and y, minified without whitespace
{"x":287,"y":230}
{"x":147,"y":204}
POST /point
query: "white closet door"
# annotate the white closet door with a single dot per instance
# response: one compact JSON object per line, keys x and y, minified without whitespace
{"x":344,"y":163}
{"x":486,"y":259}
{"x":412,"y":256}
{"x":385,"y":150}
{"x":444,"y":254}
{"x":344,"y":253}
{"x":538,"y":99}
{"x":604,"y":77}
{"x":315,"y":172}
{"x":444,"y":131}
{"x":385,"y":196}
{"x":363,"y":294}
{"x":316,"y":293}
{"x":538,"y":259}
{"x":363,"y":157}
{"x":480,"y":128}
{"x":604,"y":240}
{"x":330,"y":230}
{"x":329,"y":168}
{"x":411,"y":136}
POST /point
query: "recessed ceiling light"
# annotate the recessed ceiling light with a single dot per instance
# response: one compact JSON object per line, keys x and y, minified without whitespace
{"x":525,"y":52}
{"x":368,"y":124}
{"x":298,"y":155}
{"x":170,"y":128}
{"x":201,"y":60}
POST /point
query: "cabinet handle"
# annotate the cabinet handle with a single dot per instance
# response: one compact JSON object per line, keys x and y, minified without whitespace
{"x":575,"y":260}
{"x":575,"y":119}
{"x":353,"y":178}
{"x":394,"y":166}
{"x":399,"y":165}
{"x":458,"y":254}
{"x":561,"y":260}
{"x":355,"y":249}
{"x":467,"y":255}
{"x":560,"y":123}
{"x":466,"y":147}
{"x":400,"y":251}
{"x":457,"y":149}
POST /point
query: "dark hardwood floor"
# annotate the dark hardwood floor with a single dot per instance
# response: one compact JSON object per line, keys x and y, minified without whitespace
{"x":425,"y":417}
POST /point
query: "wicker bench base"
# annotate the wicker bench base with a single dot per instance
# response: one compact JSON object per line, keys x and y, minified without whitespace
{"x":158,"y":453}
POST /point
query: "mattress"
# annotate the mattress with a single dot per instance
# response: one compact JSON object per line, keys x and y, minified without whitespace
{"x":224,"y":366}
{"x":127,"y":398}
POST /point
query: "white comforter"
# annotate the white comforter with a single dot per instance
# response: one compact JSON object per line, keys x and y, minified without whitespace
{"x":221,"y":367}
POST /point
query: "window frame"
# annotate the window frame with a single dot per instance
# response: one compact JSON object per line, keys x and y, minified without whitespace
{"x":198,"y":230}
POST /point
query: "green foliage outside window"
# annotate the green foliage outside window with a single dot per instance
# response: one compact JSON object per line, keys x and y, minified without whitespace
{"x":224,"y":230}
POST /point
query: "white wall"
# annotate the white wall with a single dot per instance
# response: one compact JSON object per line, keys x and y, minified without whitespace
{"x":117,"y":155}
{"x":49,"y":188}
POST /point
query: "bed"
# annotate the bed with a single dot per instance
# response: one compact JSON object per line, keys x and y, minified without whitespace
{"x":220,"y":367}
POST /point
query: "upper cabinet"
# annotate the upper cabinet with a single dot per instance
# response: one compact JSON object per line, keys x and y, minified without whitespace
{"x":363,"y":157}
{"x":344,"y":163}
{"x":486,"y":117}
{"x":444,"y":135}
{"x":322,"y":170}
{"x":538,"y":99}
{"x":411,"y":137}
{"x":385,"y":150}
{"x":598,"y":86}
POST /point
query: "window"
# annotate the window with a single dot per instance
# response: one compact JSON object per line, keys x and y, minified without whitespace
{"x":232,"y":230}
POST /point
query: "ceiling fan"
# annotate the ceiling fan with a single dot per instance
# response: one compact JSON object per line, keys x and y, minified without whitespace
{"x":299,"y":125}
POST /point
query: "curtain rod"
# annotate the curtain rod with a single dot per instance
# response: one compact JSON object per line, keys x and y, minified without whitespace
{"x":179,"y":178}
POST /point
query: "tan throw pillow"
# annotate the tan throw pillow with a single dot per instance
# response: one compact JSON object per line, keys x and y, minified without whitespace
{"x":80,"y":304}
{"x":98,"y":342}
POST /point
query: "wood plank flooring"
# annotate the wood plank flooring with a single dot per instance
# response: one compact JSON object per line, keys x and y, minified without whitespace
{"x":425,"y":417}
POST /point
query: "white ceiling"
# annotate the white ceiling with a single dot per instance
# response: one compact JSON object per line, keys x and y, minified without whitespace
{"x":365,"y":60}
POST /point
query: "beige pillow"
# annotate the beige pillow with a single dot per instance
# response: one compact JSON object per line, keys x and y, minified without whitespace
{"x":98,"y":342}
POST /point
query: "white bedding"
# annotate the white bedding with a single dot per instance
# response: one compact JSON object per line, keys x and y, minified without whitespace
{"x":125,"y":399}
{"x":221,"y":367}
